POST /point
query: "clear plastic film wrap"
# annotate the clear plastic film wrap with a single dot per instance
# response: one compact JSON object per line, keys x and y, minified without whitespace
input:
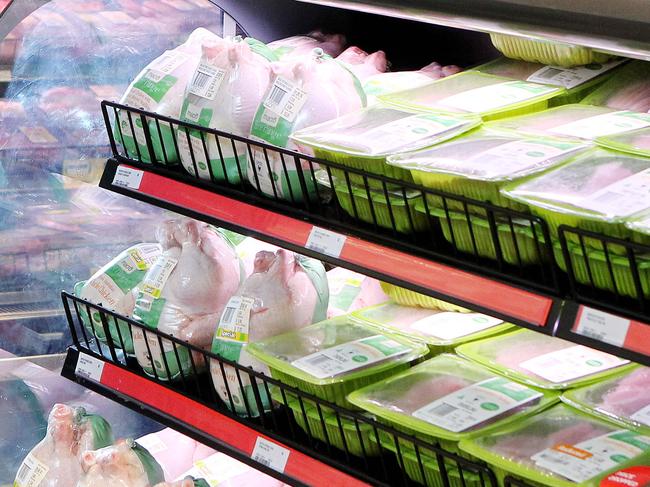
{"x":285,"y":292}
{"x":628,"y":90}
{"x":184,"y":293}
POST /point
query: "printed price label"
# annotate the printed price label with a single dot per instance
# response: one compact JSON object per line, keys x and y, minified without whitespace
{"x":450,"y":325}
{"x":157,"y":276}
{"x":325,"y":242}
{"x":605,"y":124}
{"x":127,"y":177}
{"x":285,"y":99}
{"x":234,"y":322}
{"x":270,"y":454}
{"x":571,"y":77}
{"x":624,"y":197}
{"x":492,"y":97}
{"x":602,"y":326}
{"x":31,"y":472}
{"x":207,"y":80}
{"x":89,"y":367}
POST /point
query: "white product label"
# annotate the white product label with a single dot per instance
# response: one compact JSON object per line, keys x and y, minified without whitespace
{"x":527,"y":154}
{"x":602,"y":326}
{"x":622,"y":198}
{"x":492,"y":97}
{"x":400,"y":133}
{"x":605,"y":124}
{"x":207,"y":80}
{"x":234,"y":322}
{"x":270,"y":454}
{"x":169,"y":62}
{"x":475,"y":404}
{"x":587,"y":459}
{"x":31,"y":472}
{"x":571,"y":363}
{"x":350,"y":356}
{"x":158,"y":275}
{"x":216,"y":469}
{"x":285,"y":99}
{"x":38,"y":135}
{"x":571,"y":77}
{"x":264,"y":169}
{"x":642,"y":415}
{"x":127,"y":177}
{"x":325,"y":242}
{"x":198,"y":150}
{"x":89,"y":367}
{"x":450,"y":325}
{"x":152,"y":443}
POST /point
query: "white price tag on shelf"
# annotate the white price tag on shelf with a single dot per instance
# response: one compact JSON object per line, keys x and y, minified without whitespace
{"x":128,"y":177}
{"x":325,"y":242}
{"x":602,"y":326}
{"x":270,"y":454}
{"x":89,"y":367}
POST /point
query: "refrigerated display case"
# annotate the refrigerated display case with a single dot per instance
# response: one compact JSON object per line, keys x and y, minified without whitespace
{"x":76,"y":191}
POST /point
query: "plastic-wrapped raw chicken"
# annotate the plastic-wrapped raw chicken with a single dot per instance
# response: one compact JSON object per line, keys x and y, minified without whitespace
{"x":624,"y":399}
{"x":173,"y":451}
{"x":285,"y":292}
{"x":248,"y":249}
{"x":331,"y":44}
{"x":183,"y":295}
{"x":159,"y":88}
{"x":114,"y":287}
{"x":350,"y":291}
{"x":628,"y":90}
{"x":542,"y":361}
{"x":124,"y":464}
{"x":449,"y":398}
{"x":56,"y":460}
{"x":186,"y":482}
{"x":560,"y":447}
{"x":223,"y":94}
{"x":306,"y":90}
{"x":362,"y":64}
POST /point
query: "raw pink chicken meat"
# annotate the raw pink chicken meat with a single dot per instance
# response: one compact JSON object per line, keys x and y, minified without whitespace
{"x":426,"y":391}
{"x":519,"y":352}
{"x":331,"y":44}
{"x":362,"y":64}
{"x":174,"y":451}
{"x":436,"y":71}
{"x":631,"y":394}
{"x":69,"y":435}
{"x":635,"y":97}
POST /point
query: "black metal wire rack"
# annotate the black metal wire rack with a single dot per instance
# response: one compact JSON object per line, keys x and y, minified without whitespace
{"x":349,"y":440}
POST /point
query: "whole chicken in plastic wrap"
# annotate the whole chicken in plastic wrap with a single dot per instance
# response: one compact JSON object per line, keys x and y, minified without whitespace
{"x":306,"y":90}
{"x":224,"y":94}
{"x":183,"y":295}
{"x":331,"y":44}
{"x":285,"y":292}
{"x":55,"y":461}
{"x":159,"y":88}
{"x":124,"y":464}
{"x":114,"y":287}
{"x":186,"y":482}
{"x":362,"y":64}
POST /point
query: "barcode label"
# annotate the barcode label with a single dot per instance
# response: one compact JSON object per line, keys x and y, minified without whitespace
{"x":325,"y":242}
{"x":285,"y":98}
{"x":89,"y":367}
{"x":127,"y":177}
{"x":200,"y":80}
{"x":549,"y":73}
{"x":207,"y":80}
{"x":318,"y":360}
{"x":602,"y":326}
{"x":270,"y":454}
{"x":571,"y":77}
{"x":228,"y":315}
{"x":235,"y":319}
{"x":277,"y":95}
{"x":443,"y":410}
{"x":31,"y":473}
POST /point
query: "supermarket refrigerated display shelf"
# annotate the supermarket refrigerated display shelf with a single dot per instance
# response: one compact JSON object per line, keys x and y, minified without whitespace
{"x":283,"y":441}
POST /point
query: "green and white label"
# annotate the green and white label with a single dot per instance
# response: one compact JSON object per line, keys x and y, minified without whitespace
{"x":234,"y":322}
{"x":496,"y":96}
{"x":571,"y":77}
{"x":350,"y":356}
{"x":571,"y":363}
{"x":605,"y":124}
{"x":31,"y":472}
{"x":622,"y":198}
{"x":475,"y":404}
{"x":450,"y":325}
{"x":207,"y":80}
{"x":285,"y":98}
{"x":587,"y":459}
{"x":157,"y":276}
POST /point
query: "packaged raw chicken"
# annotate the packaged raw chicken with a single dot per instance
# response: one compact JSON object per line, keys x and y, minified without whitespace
{"x":350,"y":291}
{"x":56,"y":460}
{"x":223,"y":94}
{"x":335,"y":357}
{"x":124,"y":464}
{"x":248,"y":249}
{"x":578,"y":81}
{"x":285,"y":292}
{"x":173,"y":451}
{"x":114,"y":287}
{"x":541,"y":360}
{"x":584,"y":122}
{"x":447,"y":398}
{"x":597,"y":190}
{"x":186,"y":482}
{"x":295,"y":46}
{"x":628,"y":90}
{"x":442,"y":331}
{"x":480,"y":163}
{"x":560,"y":447}
{"x":471,"y":92}
{"x":546,"y":52}
{"x":183,"y":295}
{"x":392,"y":82}
{"x":362,"y":64}
{"x":306,"y":90}
{"x":364,"y":138}
{"x":159,"y":88}
{"x":624,"y":399}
